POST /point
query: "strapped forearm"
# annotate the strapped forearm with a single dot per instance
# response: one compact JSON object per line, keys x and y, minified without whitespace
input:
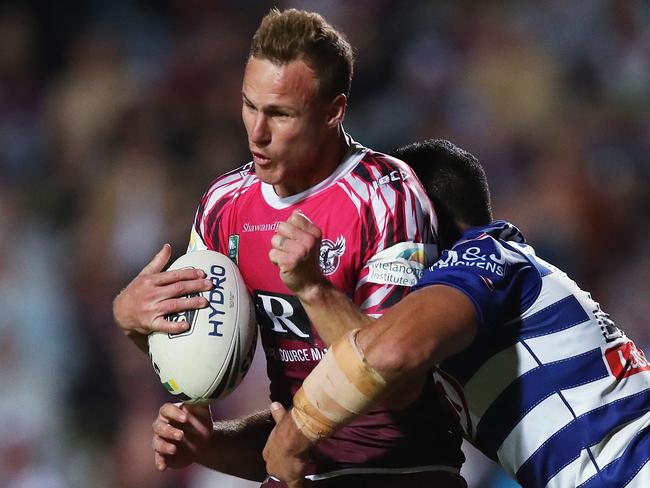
{"x":423,"y":329}
{"x":340,"y":388}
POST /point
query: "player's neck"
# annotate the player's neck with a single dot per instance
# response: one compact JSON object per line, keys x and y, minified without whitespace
{"x":330,"y":155}
{"x":334,"y":155}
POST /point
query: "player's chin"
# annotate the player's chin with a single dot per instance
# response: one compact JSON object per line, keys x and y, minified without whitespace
{"x":267,"y":174}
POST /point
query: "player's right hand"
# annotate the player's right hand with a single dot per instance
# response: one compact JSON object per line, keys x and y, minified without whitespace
{"x":295,"y":249}
{"x":181,"y":433}
{"x":141,"y":307}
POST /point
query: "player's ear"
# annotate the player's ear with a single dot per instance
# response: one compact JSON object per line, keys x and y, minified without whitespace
{"x":336,"y":110}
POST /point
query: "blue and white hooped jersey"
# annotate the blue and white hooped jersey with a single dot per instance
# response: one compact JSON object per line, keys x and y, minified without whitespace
{"x":554,"y":391}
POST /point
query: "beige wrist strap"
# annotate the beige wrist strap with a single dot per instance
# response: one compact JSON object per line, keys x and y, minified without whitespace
{"x":341,"y":387}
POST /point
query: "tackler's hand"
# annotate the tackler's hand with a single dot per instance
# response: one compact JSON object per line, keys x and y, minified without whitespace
{"x":287,"y":450}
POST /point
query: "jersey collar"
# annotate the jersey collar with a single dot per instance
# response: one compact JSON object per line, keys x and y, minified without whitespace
{"x":352,"y":157}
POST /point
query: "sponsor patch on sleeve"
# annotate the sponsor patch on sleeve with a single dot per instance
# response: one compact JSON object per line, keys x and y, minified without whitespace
{"x":401,"y":264}
{"x":626,"y":359}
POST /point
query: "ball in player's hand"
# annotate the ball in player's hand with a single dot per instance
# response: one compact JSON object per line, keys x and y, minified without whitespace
{"x":209,"y":360}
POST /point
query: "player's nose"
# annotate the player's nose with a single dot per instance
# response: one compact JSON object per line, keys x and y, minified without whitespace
{"x":260,"y":134}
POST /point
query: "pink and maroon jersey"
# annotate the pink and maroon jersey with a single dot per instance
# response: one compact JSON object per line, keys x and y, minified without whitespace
{"x":378,"y":235}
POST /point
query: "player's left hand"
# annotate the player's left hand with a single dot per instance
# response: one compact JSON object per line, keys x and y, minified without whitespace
{"x":287,"y":450}
{"x":295,"y":250}
{"x":141,"y":308}
{"x":181,"y":433}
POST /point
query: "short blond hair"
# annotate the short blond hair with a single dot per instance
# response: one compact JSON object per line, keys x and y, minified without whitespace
{"x":289,"y":35}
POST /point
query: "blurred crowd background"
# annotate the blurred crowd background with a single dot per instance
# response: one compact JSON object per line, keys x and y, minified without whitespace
{"x":116,"y":115}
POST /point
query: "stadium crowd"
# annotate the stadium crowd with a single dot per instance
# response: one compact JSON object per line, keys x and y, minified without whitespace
{"x":115,"y":115}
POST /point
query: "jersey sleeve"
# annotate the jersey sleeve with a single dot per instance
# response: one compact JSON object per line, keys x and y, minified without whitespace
{"x":209,"y":230}
{"x":197,"y":242}
{"x":398,"y":236}
{"x":206,"y":227}
{"x":495,"y":279}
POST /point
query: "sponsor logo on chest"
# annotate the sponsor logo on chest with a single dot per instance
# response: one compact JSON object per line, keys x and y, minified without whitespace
{"x":283,"y":315}
{"x":263,"y":227}
{"x":286,"y":319}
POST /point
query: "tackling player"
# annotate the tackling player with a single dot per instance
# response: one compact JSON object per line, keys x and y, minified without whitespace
{"x":372,"y":211}
{"x":553,"y":390}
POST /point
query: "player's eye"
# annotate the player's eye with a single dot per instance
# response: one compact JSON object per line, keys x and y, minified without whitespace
{"x":278,"y":114}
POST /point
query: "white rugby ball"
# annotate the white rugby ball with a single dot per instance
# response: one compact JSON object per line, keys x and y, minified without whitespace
{"x":210,"y":359}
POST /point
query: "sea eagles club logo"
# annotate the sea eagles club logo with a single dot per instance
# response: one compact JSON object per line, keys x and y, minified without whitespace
{"x":330,"y":254}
